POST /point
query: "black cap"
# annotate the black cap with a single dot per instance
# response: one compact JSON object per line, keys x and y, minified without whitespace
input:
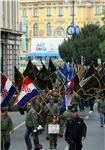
{"x":74,"y":110}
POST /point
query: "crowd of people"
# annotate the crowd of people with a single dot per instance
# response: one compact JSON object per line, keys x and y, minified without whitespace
{"x":47,"y":109}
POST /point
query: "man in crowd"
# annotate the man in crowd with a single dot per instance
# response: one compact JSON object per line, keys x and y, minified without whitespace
{"x":6,"y":129}
{"x":101,"y":110}
{"x":31,"y":128}
{"x":51,"y":110}
{"x":75,"y":131}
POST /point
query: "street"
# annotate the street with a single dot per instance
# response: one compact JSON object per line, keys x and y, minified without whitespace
{"x":95,"y":139}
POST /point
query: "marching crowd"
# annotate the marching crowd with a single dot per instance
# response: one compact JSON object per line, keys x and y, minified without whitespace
{"x":48,"y":109}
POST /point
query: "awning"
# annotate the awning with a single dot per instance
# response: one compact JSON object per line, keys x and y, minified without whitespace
{"x":43,"y":54}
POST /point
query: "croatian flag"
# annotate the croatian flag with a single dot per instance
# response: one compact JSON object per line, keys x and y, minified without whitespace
{"x":7,"y":91}
{"x":28,"y":90}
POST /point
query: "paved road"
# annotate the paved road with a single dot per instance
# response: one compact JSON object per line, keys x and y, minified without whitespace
{"x":95,"y":136}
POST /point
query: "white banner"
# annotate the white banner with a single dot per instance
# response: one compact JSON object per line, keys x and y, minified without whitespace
{"x":53,"y":129}
{"x":46,"y":44}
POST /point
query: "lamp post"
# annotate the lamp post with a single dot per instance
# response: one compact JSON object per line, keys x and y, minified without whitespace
{"x":73,"y":12}
{"x":73,"y":29}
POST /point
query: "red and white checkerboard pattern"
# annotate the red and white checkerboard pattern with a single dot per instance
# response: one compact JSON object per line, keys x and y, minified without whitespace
{"x":26,"y":89}
{"x":4,"y":93}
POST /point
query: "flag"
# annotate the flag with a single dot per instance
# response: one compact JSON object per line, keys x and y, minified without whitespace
{"x":81,"y":93}
{"x":67,"y":66}
{"x":81,"y":72}
{"x":63,"y":72}
{"x":91,"y":83}
{"x":70,"y":74}
{"x":90,"y":71}
{"x":52,"y":70}
{"x":69,"y":87}
{"x":7,"y":91}
{"x":100,"y":79}
{"x":51,"y":67}
{"x":35,"y":69}
{"x":18,"y":77}
{"x":76,"y":83}
{"x":59,"y":77}
{"x":67,"y":100}
{"x":29,"y":71}
{"x":43,"y":79}
{"x":102,"y":72}
{"x":28,"y":90}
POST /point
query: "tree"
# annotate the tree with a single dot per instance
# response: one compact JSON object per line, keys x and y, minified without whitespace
{"x":102,"y":44}
{"x":86,"y":44}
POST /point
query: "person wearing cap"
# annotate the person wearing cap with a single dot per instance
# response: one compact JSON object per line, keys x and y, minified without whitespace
{"x":6,"y":128}
{"x":51,"y":110}
{"x":53,"y":136}
{"x":31,"y":123}
{"x":101,"y":110}
{"x":75,"y":131}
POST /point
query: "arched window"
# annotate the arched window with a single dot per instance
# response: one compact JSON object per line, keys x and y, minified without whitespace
{"x":35,"y":29}
{"x":49,"y":29}
{"x":59,"y":31}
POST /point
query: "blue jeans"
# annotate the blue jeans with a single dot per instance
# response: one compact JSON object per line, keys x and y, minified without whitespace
{"x":27,"y":138}
{"x":102,"y":118}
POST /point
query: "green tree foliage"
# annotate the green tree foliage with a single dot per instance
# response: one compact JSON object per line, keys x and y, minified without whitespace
{"x":102,"y":44}
{"x":86,"y":44}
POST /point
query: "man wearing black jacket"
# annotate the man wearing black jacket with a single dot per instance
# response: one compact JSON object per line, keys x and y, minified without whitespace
{"x":75,"y":131}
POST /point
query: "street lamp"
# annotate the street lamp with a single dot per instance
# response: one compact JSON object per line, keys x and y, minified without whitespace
{"x":73,"y":29}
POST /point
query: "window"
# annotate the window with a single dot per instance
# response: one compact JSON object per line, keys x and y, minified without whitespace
{"x":48,"y":28}
{"x":98,"y":10}
{"x":35,"y":12}
{"x":60,"y":12}
{"x":35,"y":29}
{"x":59,"y":31}
{"x":48,"y":11}
{"x":24,"y":12}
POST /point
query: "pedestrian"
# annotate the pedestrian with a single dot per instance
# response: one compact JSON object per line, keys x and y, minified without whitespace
{"x":91,"y":104}
{"x":31,"y":129}
{"x":75,"y":131}
{"x":6,"y":129}
{"x":101,"y":110}
{"x":64,"y":117}
{"x":51,"y":110}
{"x":60,"y":111}
{"x":53,"y":136}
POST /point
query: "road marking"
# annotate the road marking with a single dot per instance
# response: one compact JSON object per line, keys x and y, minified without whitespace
{"x":19,"y":125}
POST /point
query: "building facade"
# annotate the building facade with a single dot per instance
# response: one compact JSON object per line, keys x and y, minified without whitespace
{"x":9,"y":27}
{"x":50,"y":18}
